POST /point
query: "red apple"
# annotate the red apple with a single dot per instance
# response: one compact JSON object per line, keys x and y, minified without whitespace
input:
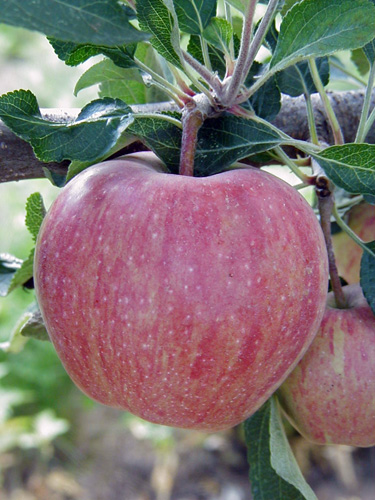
{"x":329,"y":397}
{"x":361,"y":219}
{"x":186,"y":301}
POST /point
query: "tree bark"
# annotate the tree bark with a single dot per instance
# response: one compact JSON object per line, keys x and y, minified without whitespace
{"x":17,"y":160}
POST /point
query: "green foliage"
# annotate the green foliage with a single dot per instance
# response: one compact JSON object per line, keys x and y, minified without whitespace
{"x":367,"y":274}
{"x":34,"y":327}
{"x":159,"y":18}
{"x":274,"y":473}
{"x":9,"y":264}
{"x":23,"y":274}
{"x":84,"y":139}
{"x":73,"y":54}
{"x":297,"y":80}
{"x":315,"y":28}
{"x":35,"y":212}
{"x":117,"y":82}
{"x":194,"y":16}
{"x":104,"y":22}
{"x":221,"y":142}
{"x":219,"y":33}
{"x":350,"y":166}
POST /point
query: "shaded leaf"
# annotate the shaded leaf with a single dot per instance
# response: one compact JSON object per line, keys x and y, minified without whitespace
{"x":321,"y":27}
{"x":282,"y":458}
{"x":34,"y":327}
{"x":359,"y":58}
{"x":8,"y":266}
{"x":272,"y":35}
{"x":23,"y":274}
{"x":73,"y":54}
{"x":266,"y":102}
{"x":103,"y":22}
{"x":219,"y":33}
{"x":159,"y":18}
{"x":274,"y":473}
{"x":238,"y":4}
{"x":216,"y":56}
{"x":369,"y":49}
{"x":55,"y":178}
{"x":288,"y":4}
{"x":16,"y":341}
{"x":297,"y":80}
{"x":35,"y":212}
{"x":224,"y":140}
{"x":221,"y":141}
{"x":350,"y":166}
{"x":367,"y":275}
{"x":194,"y":15}
{"x":91,"y":135}
{"x":119,"y":83}
{"x":162,"y":137}
{"x":75,"y":167}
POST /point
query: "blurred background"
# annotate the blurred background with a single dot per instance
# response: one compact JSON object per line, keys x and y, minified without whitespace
{"x":56,"y":444}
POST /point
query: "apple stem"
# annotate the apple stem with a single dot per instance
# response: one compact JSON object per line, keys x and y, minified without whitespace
{"x":192,"y":120}
{"x":326,"y":203}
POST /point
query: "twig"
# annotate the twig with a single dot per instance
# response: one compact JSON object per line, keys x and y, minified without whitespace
{"x":326,"y":201}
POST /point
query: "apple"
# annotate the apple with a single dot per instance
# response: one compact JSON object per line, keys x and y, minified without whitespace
{"x":329,"y":397}
{"x":183,"y":300}
{"x":361,"y":219}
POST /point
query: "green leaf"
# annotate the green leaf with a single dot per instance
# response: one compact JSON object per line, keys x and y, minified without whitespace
{"x":288,"y":4}
{"x":272,"y":35}
{"x":23,"y":274}
{"x":221,"y":141}
{"x":194,"y":15}
{"x":369,"y":49}
{"x":161,"y":136}
{"x":367,"y":275}
{"x":238,"y":4}
{"x":282,"y":458}
{"x":115,"y":78}
{"x":219,"y":33}
{"x":91,"y":135}
{"x":75,"y":167}
{"x":35,"y":212}
{"x":360,"y":60}
{"x":8,"y":266}
{"x":274,"y":473}
{"x":34,"y":326}
{"x":55,"y":178}
{"x":216,"y":57}
{"x":16,"y":341}
{"x":119,"y":83}
{"x":103,"y":22}
{"x":350,"y":166}
{"x":266,"y":102}
{"x":73,"y":54}
{"x":297,"y":80}
{"x":159,"y":18}
{"x":321,"y":27}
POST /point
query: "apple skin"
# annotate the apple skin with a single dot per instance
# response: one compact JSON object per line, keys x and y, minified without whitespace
{"x":329,"y":397}
{"x":186,"y":301}
{"x":361,"y":219}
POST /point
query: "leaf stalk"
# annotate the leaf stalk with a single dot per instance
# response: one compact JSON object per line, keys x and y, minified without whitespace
{"x":360,"y":137}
